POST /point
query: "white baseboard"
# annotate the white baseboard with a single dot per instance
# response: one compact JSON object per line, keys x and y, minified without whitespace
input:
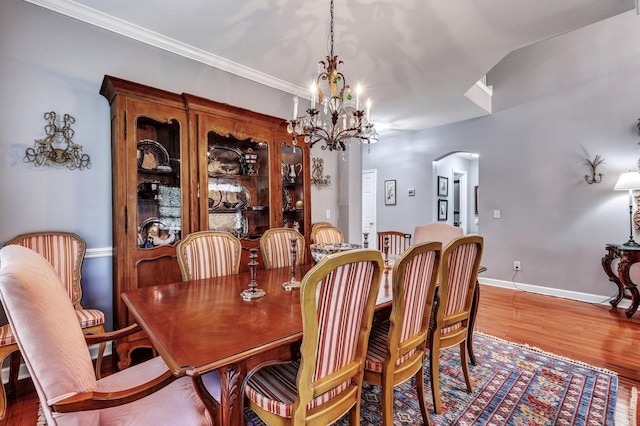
{"x":24,"y":373}
{"x":548,"y":291}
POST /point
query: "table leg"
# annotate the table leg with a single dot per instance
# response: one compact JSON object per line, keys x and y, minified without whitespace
{"x":623,"y":272}
{"x":607,"y":259}
{"x":472,"y":322}
{"x":231,"y":396}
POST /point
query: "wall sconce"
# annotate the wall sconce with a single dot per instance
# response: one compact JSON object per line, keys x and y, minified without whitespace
{"x":595,"y":177}
{"x":317,"y":175}
{"x":57,"y":148}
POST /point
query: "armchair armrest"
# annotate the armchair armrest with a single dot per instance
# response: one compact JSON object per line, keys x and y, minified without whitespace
{"x":99,"y":400}
{"x":92,"y":339}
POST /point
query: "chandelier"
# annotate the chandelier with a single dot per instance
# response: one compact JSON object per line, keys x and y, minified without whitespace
{"x":332,"y":118}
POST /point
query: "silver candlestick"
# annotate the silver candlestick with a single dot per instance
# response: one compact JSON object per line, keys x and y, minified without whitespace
{"x":253,"y":292}
{"x":386,"y":250}
{"x":293,"y":283}
{"x":365,"y":241}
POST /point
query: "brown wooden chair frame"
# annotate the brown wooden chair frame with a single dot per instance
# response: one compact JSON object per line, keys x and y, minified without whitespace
{"x":392,"y":374}
{"x":182,"y":262}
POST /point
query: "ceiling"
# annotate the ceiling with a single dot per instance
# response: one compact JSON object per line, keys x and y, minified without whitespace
{"x":416,"y":58}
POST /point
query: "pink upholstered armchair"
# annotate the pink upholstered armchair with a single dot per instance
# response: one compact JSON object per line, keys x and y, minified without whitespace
{"x":51,"y":341}
{"x":65,"y":252}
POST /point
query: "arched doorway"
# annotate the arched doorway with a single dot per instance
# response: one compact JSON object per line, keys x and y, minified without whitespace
{"x":456,"y":179}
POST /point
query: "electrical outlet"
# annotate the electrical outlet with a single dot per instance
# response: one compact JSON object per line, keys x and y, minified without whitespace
{"x":516,"y":265}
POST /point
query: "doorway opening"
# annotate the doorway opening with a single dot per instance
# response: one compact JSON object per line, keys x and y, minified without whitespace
{"x":461,"y":169}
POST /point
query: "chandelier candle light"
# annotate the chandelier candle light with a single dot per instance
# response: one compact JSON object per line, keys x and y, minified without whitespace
{"x":335,"y":121}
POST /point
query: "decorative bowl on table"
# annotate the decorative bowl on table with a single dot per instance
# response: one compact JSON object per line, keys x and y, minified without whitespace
{"x":319,"y":251}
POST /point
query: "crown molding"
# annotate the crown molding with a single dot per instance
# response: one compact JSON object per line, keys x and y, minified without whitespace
{"x":127,"y":29}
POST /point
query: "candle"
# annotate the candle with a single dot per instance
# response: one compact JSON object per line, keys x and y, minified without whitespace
{"x":368,"y":110}
{"x":358,"y":91}
{"x":295,"y":107}
{"x":313,"y":95}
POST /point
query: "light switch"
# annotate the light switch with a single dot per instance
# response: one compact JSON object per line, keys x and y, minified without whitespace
{"x":496,"y":214}
{"x":328,"y":214}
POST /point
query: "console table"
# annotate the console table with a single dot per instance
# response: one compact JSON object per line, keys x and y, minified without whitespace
{"x":628,"y":255}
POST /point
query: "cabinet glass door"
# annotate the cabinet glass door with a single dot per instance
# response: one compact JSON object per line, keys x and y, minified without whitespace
{"x":159,"y":195}
{"x":237,"y":185}
{"x":292,"y":164}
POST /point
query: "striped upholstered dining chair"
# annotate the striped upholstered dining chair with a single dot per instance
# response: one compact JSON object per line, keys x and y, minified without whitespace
{"x":65,"y":251}
{"x":456,"y":286}
{"x":338,"y":297}
{"x":275,"y":245}
{"x":208,"y":254}
{"x":397,"y":348}
{"x":398,"y":241}
{"x":327,"y":235}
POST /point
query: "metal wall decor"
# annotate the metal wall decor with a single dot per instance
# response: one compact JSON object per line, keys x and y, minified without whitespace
{"x":595,"y":177}
{"x":57,"y":148}
{"x":318,"y":178}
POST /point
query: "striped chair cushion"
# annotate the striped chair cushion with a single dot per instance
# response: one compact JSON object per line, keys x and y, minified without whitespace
{"x":461,"y":264}
{"x":210,"y":256}
{"x":90,"y":317}
{"x":274,"y":389}
{"x":86,"y":317}
{"x":340,"y":301}
{"x":63,"y":252}
{"x":377,"y":349}
{"x":328,"y":235}
{"x":6,"y":336}
{"x":278,"y":248}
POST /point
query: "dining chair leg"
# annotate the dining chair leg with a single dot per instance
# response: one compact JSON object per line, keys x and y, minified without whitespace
{"x":12,"y":352}
{"x":434,"y":365}
{"x":420,"y":391}
{"x":387,"y":400}
{"x":354,"y":415}
{"x":465,"y":365}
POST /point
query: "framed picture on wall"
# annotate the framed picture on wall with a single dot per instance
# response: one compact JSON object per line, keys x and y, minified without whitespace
{"x":390,"y":192}
{"x":443,"y":186}
{"x":443,"y":207}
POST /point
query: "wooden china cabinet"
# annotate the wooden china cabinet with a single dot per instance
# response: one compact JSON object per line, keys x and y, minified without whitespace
{"x":182,"y":163}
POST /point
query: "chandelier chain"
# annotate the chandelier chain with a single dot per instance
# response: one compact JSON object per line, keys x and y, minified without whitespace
{"x":331,"y":31}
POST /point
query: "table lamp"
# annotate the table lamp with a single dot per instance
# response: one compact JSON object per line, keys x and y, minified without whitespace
{"x":629,"y":181}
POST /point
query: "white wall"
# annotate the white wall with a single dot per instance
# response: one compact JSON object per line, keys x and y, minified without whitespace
{"x":555,"y":104}
{"x":49,"y":62}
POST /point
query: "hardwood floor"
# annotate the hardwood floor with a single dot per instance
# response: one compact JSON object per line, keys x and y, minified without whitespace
{"x":595,"y":334}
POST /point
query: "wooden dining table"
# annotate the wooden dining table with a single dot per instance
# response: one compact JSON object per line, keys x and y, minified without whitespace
{"x":204,"y":325}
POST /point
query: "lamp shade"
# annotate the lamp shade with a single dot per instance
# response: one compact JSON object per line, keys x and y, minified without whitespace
{"x":628,"y":180}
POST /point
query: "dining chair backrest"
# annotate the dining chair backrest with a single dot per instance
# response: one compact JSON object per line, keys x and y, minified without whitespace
{"x":398,"y":241}
{"x":208,"y":254}
{"x":457,"y":281}
{"x":327,"y":235}
{"x":46,"y":329}
{"x":338,"y":298}
{"x":415,"y":274}
{"x":275,"y":245}
{"x":436,"y":231}
{"x":65,"y":252}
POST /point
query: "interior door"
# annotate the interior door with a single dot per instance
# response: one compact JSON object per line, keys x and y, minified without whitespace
{"x":369,"y":178}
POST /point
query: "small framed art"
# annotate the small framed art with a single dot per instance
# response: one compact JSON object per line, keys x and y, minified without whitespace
{"x":390,"y":192}
{"x":443,"y":207}
{"x":443,"y":186}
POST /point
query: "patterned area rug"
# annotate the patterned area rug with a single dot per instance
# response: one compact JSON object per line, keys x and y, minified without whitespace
{"x":513,"y":385}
